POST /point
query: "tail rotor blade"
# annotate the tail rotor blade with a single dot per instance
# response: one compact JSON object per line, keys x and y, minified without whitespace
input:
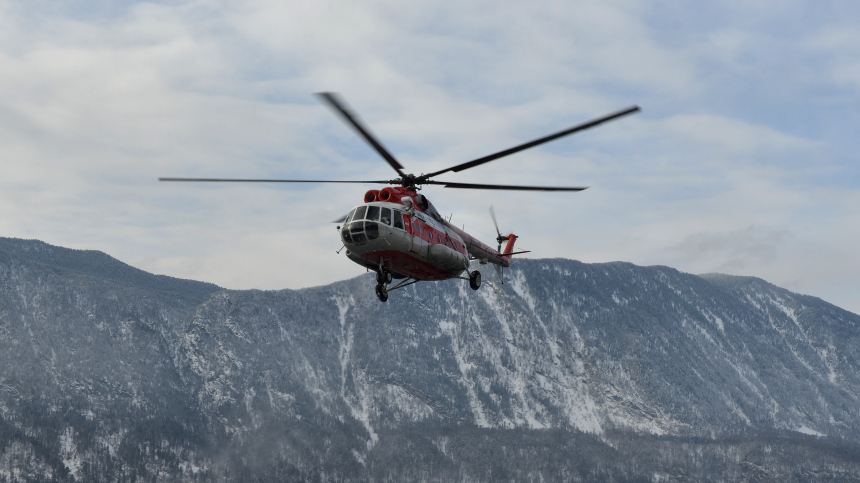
{"x":499,"y":237}
{"x":493,"y":216}
{"x":500,"y":272}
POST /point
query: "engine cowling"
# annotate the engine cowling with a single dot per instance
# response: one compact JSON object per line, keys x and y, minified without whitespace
{"x":371,"y":196}
{"x":388,"y":194}
{"x":422,"y":201}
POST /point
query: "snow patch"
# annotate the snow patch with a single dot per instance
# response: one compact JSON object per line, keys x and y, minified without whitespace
{"x":466,"y":367}
{"x":360,"y":409}
{"x":810,"y":431}
{"x":69,"y":453}
{"x":517,"y":281}
{"x":358,"y":457}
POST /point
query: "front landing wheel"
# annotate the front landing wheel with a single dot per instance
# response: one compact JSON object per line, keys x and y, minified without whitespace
{"x":475,"y":280}
{"x":381,"y":293}
{"x":384,"y":277}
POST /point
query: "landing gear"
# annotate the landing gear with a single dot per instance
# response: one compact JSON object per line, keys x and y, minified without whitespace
{"x":382,"y":289}
{"x":475,"y":280}
{"x":384,"y":277}
{"x":381,"y":293}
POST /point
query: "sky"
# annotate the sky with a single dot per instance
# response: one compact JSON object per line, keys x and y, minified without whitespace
{"x":744,"y":159}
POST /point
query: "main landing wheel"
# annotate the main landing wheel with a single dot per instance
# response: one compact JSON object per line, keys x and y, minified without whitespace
{"x":475,"y":280}
{"x":381,"y":293}
{"x":384,"y":278}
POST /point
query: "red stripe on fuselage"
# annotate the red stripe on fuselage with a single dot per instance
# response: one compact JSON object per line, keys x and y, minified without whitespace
{"x":440,"y":236}
{"x":406,"y":264}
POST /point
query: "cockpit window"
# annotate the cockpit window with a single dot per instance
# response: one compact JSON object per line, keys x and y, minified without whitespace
{"x":385,"y":216}
{"x":398,"y":220}
{"x":359,"y":213}
{"x":348,"y":217}
{"x":373,"y":213}
{"x":372,"y":230}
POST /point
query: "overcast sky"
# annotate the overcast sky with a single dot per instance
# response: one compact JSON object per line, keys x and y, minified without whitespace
{"x":743,"y":161}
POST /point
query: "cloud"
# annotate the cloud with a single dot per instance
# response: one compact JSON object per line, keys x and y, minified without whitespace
{"x":731,"y":137}
{"x":730,"y":251}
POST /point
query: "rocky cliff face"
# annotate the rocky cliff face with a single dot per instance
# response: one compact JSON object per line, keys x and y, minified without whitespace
{"x":567,"y":371}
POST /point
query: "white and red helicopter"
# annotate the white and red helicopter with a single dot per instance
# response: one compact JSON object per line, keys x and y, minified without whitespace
{"x":398,"y":233}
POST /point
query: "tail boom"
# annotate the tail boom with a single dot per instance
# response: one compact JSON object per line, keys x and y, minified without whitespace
{"x":480,"y":251}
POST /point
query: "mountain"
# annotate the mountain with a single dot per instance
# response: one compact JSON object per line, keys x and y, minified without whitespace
{"x":567,"y":372}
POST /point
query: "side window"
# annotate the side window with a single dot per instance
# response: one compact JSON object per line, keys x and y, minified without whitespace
{"x":373,"y":213}
{"x":430,"y":234}
{"x":385,"y":216}
{"x":359,"y":213}
{"x":398,"y":220}
{"x":421,"y":227}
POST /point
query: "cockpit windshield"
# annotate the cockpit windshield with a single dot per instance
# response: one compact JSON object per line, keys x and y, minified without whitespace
{"x":373,"y":213}
{"x":359,"y":213}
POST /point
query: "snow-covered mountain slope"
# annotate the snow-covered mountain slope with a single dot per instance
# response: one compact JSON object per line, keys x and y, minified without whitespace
{"x":112,"y":373}
{"x":561,"y":345}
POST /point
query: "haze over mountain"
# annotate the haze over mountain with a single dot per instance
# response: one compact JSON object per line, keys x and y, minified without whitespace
{"x":568,"y":371}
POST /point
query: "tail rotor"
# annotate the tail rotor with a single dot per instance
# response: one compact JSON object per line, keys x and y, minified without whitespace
{"x":499,"y":237}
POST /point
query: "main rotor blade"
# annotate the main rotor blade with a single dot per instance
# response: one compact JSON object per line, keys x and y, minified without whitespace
{"x":536,"y":142}
{"x":474,"y":186}
{"x":332,"y":99}
{"x":232,"y":180}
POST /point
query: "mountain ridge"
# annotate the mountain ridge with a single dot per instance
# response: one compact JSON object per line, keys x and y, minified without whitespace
{"x":101,"y":265}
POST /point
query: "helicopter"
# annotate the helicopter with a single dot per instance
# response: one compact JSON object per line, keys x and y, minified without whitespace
{"x":398,"y":233}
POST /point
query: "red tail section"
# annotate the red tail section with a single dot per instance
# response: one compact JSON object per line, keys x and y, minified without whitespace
{"x":509,"y":247}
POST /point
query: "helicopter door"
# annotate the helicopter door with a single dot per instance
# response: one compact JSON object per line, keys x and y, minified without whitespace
{"x":409,"y":227}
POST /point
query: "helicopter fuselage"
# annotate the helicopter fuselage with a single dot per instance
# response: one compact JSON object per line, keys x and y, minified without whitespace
{"x":405,"y":236}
